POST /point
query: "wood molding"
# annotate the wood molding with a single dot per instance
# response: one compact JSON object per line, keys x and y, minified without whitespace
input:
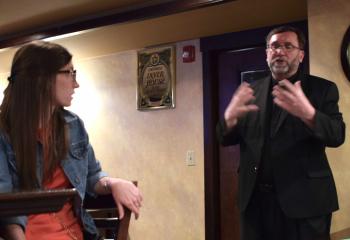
{"x":343,"y":234}
{"x":116,"y":16}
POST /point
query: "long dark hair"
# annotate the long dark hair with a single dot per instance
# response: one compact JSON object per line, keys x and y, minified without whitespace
{"x":28,"y":106}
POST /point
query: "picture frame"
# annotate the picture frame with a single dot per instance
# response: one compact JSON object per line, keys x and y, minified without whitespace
{"x":345,"y":53}
{"x":156,"y":78}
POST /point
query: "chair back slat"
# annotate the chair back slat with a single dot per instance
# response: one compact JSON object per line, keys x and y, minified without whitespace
{"x":106,"y":217}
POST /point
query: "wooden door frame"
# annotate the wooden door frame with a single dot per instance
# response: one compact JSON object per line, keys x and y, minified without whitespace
{"x":211,"y":47}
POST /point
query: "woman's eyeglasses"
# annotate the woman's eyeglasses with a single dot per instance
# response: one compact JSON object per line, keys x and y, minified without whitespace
{"x":71,"y":72}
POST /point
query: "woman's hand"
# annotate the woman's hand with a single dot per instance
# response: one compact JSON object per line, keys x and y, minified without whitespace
{"x":125,"y":193}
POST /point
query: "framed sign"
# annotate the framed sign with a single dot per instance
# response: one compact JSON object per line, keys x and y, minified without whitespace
{"x":345,"y":53}
{"x":156,"y":78}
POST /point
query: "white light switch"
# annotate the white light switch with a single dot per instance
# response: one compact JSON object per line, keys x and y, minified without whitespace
{"x":190,"y":160}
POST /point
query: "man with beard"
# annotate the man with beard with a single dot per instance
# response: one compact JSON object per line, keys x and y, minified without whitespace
{"x":283,"y":124}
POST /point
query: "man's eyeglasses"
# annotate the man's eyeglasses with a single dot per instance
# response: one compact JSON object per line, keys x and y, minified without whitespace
{"x":71,"y":72}
{"x":288,"y":47}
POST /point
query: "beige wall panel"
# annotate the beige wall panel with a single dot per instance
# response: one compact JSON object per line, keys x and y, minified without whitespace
{"x":150,"y":146}
{"x":328,"y":21}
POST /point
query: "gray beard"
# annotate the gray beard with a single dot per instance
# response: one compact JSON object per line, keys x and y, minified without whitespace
{"x":284,"y":71}
{"x":279,"y":70}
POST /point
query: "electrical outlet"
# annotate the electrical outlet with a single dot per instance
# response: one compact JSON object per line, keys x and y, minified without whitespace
{"x":190,"y":160}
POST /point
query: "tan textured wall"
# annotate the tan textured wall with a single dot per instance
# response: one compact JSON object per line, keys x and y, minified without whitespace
{"x":148,"y":146}
{"x":328,"y":21}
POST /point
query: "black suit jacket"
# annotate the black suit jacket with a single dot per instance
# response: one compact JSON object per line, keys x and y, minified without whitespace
{"x":302,"y":176}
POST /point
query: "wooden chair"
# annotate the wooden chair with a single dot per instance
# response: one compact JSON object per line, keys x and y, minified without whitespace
{"x":105,"y":214}
{"x":33,"y":202}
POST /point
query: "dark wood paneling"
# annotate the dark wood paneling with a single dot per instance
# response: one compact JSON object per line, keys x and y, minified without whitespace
{"x":116,"y":16}
{"x":211,"y":148}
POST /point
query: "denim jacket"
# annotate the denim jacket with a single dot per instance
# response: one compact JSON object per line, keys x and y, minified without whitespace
{"x":80,"y":166}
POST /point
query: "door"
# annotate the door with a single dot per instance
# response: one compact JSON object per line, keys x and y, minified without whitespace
{"x":227,"y":60}
{"x":233,"y":68}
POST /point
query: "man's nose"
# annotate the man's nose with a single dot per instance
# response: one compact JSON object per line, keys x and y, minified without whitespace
{"x":280,"y":51}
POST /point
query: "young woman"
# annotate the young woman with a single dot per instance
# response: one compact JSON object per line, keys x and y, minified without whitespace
{"x":44,"y":146}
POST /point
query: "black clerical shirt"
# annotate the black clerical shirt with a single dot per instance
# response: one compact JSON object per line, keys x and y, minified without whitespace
{"x":273,"y":114}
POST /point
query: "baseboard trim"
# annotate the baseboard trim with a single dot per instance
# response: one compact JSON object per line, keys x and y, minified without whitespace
{"x":340,"y":235}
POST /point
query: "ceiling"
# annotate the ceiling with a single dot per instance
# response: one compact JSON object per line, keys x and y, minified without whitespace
{"x":18,"y":17}
{"x":27,"y":20}
{"x":23,"y":15}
